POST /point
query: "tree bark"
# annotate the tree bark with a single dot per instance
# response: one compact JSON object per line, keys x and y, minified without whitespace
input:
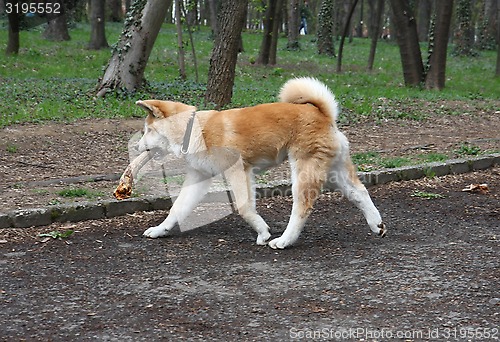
{"x":423,"y":20}
{"x":347,"y":25}
{"x":125,"y":69}
{"x":325,"y":29}
{"x":115,"y":10}
{"x":13,"y":40}
{"x":97,"y":26}
{"x":180,"y":43}
{"x":497,"y":72}
{"x":293,"y":25}
{"x":57,"y":26}
{"x":435,"y":78}
{"x":267,"y":52}
{"x":407,"y":38}
{"x":464,"y":36}
{"x":225,"y":52}
{"x":375,"y":32}
{"x":212,"y":4}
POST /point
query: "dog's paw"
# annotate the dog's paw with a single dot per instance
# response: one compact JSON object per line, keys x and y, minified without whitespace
{"x":262,"y":238}
{"x":279,"y":243}
{"x":155,"y":232}
{"x":382,"y":231}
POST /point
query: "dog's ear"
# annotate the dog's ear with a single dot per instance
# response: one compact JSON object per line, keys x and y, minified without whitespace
{"x":152,"y":107}
{"x":163,"y":109}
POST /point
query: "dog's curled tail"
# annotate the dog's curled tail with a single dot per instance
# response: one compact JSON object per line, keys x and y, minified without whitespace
{"x":310,"y":90}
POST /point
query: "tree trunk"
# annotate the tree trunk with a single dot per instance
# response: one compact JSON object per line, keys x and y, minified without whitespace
{"x":13,"y":40}
{"x":407,"y":38}
{"x":125,"y":69}
{"x":180,"y":43}
{"x":424,"y":18}
{"x":487,"y":29}
{"x":435,"y":78}
{"x":464,"y":36}
{"x":375,"y":32}
{"x":225,"y":52}
{"x":115,"y":10}
{"x":347,"y":25}
{"x":57,"y":26}
{"x":97,"y":25}
{"x":497,"y":72}
{"x":278,"y":17}
{"x":269,"y":39}
{"x":293,"y":25}
{"x":325,"y":29}
{"x":213,"y":16}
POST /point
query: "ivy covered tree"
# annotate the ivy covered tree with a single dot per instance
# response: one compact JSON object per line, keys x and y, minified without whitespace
{"x":125,"y":69}
{"x":464,"y":35}
{"x":325,"y":29}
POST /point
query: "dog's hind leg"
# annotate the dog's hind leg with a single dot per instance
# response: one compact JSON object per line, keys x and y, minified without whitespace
{"x":241,"y":182}
{"x":343,"y":175}
{"x":307,"y":178}
{"x":192,"y":192}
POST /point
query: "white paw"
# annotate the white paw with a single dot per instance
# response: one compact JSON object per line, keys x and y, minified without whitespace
{"x":262,"y":238}
{"x":155,"y":232}
{"x":279,"y":243}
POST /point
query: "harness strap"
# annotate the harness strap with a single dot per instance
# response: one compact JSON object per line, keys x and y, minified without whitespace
{"x":187,"y":134}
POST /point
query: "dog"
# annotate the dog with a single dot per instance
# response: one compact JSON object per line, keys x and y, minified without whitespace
{"x":237,"y":143}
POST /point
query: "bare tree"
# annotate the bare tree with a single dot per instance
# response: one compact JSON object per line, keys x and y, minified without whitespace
{"x":293,"y":25}
{"x":212,"y":4}
{"x":407,"y":38}
{"x":424,"y":11}
{"x":125,"y":69}
{"x":13,"y":40}
{"x":231,"y":18}
{"x":272,"y":20}
{"x":347,"y":25}
{"x":180,"y":42}
{"x":435,"y":77}
{"x":375,"y":26}
{"x":115,"y":10}
{"x":57,"y":26}
{"x":497,"y":73}
{"x":97,"y":25}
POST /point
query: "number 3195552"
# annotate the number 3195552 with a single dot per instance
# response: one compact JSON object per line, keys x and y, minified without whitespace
{"x":33,"y":7}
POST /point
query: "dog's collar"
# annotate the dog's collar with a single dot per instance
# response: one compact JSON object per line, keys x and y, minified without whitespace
{"x":187,"y":134}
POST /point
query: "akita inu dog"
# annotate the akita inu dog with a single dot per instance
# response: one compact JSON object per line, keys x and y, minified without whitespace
{"x":237,"y":142}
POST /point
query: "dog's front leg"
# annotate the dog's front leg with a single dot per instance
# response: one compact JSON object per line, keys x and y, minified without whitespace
{"x":241,"y":182}
{"x":194,"y":188}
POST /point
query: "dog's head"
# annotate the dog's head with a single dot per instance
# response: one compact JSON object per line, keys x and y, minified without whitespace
{"x":161,"y":128}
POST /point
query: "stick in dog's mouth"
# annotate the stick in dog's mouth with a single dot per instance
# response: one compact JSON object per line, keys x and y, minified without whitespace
{"x":124,"y":188}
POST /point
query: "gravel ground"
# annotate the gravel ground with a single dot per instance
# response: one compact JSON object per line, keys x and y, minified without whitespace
{"x":434,"y":277}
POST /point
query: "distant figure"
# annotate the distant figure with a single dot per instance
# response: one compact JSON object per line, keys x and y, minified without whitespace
{"x":304,"y":14}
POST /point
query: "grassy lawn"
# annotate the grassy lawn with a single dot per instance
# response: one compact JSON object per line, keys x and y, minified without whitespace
{"x":55,"y":81}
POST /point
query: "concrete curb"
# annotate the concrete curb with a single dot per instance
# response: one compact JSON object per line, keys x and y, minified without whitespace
{"x":107,"y":209}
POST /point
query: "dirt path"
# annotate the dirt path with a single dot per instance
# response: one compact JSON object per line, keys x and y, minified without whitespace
{"x":434,"y":277}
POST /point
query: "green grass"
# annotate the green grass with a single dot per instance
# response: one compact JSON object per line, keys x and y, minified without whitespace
{"x":55,"y":81}
{"x":468,"y":150}
{"x":426,"y":195}
{"x":79,"y":192}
